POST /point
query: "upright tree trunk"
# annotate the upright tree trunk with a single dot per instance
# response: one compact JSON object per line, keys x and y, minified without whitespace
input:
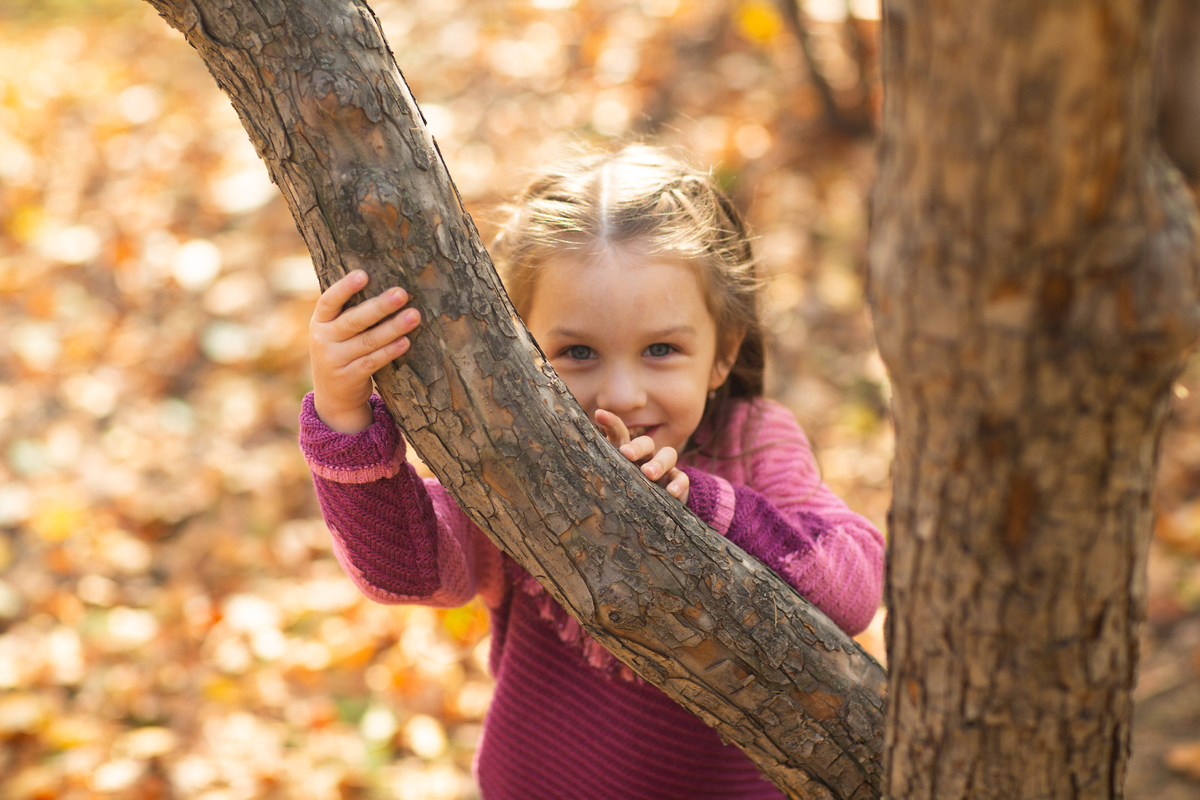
{"x":1033,"y":283}
{"x":1179,"y":85}
{"x":320,"y":95}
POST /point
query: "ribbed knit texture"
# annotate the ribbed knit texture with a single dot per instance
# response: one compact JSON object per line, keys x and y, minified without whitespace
{"x":567,"y":720}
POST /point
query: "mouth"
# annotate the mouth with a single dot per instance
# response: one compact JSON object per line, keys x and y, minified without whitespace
{"x":642,"y":430}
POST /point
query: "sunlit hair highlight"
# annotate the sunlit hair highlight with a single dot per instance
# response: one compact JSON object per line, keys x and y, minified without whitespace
{"x":641,"y":201}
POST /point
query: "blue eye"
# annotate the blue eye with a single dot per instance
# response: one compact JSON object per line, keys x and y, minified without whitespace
{"x":580,"y":352}
{"x":658,"y":350}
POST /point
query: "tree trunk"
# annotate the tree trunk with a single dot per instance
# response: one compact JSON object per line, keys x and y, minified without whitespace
{"x":318,"y":91}
{"x":1179,"y":81}
{"x":1032,"y":263}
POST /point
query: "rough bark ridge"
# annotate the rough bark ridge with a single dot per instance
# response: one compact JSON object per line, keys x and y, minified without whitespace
{"x":323,"y":101}
{"x":1034,"y":288}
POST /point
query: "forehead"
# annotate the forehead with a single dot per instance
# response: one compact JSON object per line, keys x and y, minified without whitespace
{"x":622,"y":287}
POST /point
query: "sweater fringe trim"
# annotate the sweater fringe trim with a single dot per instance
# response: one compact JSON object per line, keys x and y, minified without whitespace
{"x":570,"y":632}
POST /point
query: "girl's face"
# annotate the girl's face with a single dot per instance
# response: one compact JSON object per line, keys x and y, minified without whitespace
{"x":632,"y":335}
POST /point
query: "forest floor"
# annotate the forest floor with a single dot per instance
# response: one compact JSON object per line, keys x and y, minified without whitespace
{"x":172,"y":621}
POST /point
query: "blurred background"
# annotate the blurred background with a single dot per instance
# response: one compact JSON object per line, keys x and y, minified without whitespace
{"x":172,"y":621}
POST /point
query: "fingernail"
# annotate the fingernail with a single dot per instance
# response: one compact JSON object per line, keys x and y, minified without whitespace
{"x":358,"y":276}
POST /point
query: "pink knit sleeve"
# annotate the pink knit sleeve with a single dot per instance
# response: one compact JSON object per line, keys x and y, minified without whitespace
{"x":401,"y":539}
{"x":785,"y":516}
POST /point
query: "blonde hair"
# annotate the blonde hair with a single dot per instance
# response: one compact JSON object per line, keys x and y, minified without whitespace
{"x":640,"y":199}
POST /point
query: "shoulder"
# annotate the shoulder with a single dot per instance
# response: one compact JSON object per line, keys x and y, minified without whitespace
{"x":759,"y":437}
{"x":759,"y":422}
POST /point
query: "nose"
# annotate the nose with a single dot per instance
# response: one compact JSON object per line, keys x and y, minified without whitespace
{"x":622,"y":390}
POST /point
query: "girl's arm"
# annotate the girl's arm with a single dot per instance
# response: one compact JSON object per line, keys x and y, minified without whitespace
{"x":399,"y":538}
{"x":779,"y":510}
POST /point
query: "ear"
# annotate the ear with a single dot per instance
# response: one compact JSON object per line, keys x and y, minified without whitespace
{"x":724,"y":361}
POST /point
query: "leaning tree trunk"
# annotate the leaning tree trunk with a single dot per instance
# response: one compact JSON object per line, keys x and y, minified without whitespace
{"x":318,"y":91}
{"x":1034,"y":290}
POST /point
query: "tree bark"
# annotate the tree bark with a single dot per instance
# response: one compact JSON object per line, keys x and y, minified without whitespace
{"x":320,"y":95}
{"x":1179,"y":76}
{"x":1033,"y":272}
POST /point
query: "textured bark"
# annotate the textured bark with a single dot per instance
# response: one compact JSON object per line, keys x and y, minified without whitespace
{"x":1179,"y":76}
{"x":1033,"y":275}
{"x":323,"y":101}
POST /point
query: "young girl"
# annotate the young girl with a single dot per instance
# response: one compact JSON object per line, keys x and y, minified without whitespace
{"x":635,"y":275}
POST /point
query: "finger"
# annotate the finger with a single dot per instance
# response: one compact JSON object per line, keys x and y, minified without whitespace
{"x":384,"y":334}
{"x":613,"y":427}
{"x":333,"y":299}
{"x":370,"y":313}
{"x":639,"y":449}
{"x":340,"y":345}
{"x":662,"y":464}
{"x":371,"y":362}
{"x":678,"y":484}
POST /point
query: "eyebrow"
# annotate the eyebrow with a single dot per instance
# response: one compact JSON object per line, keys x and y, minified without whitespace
{"x":662,"y":333}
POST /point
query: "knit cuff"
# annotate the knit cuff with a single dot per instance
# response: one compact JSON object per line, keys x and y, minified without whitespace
{"x":369,"y":455}
{"x":711,"y":499}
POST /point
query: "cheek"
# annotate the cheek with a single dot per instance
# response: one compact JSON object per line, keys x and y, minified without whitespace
{"x":579,"y":386}
{"x":687,"y":398}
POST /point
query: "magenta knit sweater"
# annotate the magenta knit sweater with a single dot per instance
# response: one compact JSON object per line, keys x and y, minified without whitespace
{"x":568,"y":721}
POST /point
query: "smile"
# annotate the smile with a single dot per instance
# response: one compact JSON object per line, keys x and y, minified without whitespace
{"x":642,"y":430}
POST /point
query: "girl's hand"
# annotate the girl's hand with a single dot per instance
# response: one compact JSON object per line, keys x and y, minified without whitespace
{"x":657,"y":465}
{"x":347,"y":347}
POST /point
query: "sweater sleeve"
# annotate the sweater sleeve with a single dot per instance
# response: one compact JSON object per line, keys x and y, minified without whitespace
{"x":784,"y":515}
{"x":401,"y":539}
